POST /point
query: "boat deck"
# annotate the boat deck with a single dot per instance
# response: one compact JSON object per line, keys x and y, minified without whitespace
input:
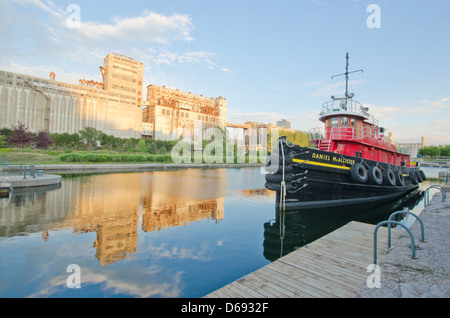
{"x":334,"y":266}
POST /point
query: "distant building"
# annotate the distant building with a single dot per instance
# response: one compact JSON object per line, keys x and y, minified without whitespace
{"x":174,"y":113}
{"x":254,"y":135}
{"x":284,"y":123}
{"x":251,"y":136}
{"x":112,"y":106}
{"x":412,"y":149}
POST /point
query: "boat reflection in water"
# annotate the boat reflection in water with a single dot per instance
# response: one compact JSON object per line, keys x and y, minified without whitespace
{"x":293,"y":229}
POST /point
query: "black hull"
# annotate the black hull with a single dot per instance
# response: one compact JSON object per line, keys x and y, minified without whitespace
{"x":318,"y":179}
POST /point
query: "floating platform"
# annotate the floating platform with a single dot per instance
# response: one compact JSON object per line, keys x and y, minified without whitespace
{"x":30,"y":182}
{"x":334,"y":266}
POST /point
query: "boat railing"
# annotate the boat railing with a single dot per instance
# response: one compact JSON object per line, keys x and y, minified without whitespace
{"x":348,"y":106}
{"x":347,"y":133}
{"x":352,"y":133}
{"x":316,"y":134}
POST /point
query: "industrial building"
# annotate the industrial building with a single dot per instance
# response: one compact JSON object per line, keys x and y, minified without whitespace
{"x":172,"y":113}
{"x":113,"y":106}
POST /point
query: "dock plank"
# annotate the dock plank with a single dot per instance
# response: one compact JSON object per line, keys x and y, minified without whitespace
{"x":333,"y":266}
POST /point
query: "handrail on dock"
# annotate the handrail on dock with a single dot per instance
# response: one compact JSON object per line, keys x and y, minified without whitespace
{"x":31,"y":170}
{"x":422,"y":239}
{"x":4,"y":162}
{"x":18,"y":169}
{"x":427,"y":194}
{"x":413,"y":244}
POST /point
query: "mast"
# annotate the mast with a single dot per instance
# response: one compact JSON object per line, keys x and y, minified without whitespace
{"x":346,"y":76}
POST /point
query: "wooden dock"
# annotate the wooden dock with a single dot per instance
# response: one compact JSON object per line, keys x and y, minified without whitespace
{"x":333,"y":266}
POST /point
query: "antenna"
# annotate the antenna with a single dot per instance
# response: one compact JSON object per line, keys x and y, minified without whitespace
{"x":346,"y":77}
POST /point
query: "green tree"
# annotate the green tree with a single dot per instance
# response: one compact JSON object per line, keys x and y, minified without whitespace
{"x":141,"y":146}
{"x":153,"y":149}
{"x":430,"y":151}
{"x":2,"y":141}
{"x":445,"y":151}
{"x":90,"y":137}
{"x":6,"y":132}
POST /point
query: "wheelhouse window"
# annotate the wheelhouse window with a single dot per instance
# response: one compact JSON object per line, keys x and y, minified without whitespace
{"x":334,"y":122}
{"x":352,"y":122}
{"x":344,"y":121}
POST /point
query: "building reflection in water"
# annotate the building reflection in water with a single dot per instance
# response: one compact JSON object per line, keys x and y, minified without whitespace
{"x":112,"y":206}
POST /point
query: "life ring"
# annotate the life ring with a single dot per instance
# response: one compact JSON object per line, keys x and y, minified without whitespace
{"x":389,"y":177}
{"x":413,"y":177}
{"x":278,"y":177}
{"x":400,"y":178}
{"x":359,"y":173}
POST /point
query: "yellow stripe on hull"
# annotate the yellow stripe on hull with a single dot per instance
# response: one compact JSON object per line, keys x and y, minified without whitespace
{"x":321,"y":164}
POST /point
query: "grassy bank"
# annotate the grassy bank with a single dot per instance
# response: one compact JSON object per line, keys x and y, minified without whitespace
{"x":52,"y":157}
{"x":40,"y":157}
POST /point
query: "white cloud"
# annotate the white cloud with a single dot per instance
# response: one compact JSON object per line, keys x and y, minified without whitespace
{"x":46,"y":39}
{"x":299,"y":85}
{"x":161,"y":56}
{"x":419,"y":118}
{"x":262,"y":117}
{"x":41,"y":39}
{"x":149,"y":27}
{"x":417,"y":109}
{"x":300,"y":121}
{"x":337,"y":89}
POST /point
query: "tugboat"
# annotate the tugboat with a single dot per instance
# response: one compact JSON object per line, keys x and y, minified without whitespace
{"x":352,"y":162}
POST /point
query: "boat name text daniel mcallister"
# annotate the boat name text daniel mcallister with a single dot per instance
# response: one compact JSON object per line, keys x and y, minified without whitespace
{"x":333,"y":158}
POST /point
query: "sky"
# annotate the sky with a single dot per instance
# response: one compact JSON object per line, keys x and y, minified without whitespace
{"x":270,"y":59}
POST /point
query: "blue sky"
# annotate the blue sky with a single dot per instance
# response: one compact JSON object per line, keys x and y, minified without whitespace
{"x":269,"y":59}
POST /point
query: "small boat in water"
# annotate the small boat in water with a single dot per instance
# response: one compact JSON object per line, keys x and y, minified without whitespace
{"x":352,"y":162}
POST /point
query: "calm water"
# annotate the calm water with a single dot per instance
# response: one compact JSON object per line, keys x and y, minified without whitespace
{"x":182,"y":233}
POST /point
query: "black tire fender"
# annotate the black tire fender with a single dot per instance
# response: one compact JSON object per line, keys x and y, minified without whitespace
{"x":275,"y":165}
{"x":277,"y":177}
{"x":422,"y":174}
{"x":375,"y":175}
{"x":400,"y":178}
{"x":389,"y":177}
{"x":359,"y":173}
{"x":277,"y":186}
{"x":413,"y":177}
